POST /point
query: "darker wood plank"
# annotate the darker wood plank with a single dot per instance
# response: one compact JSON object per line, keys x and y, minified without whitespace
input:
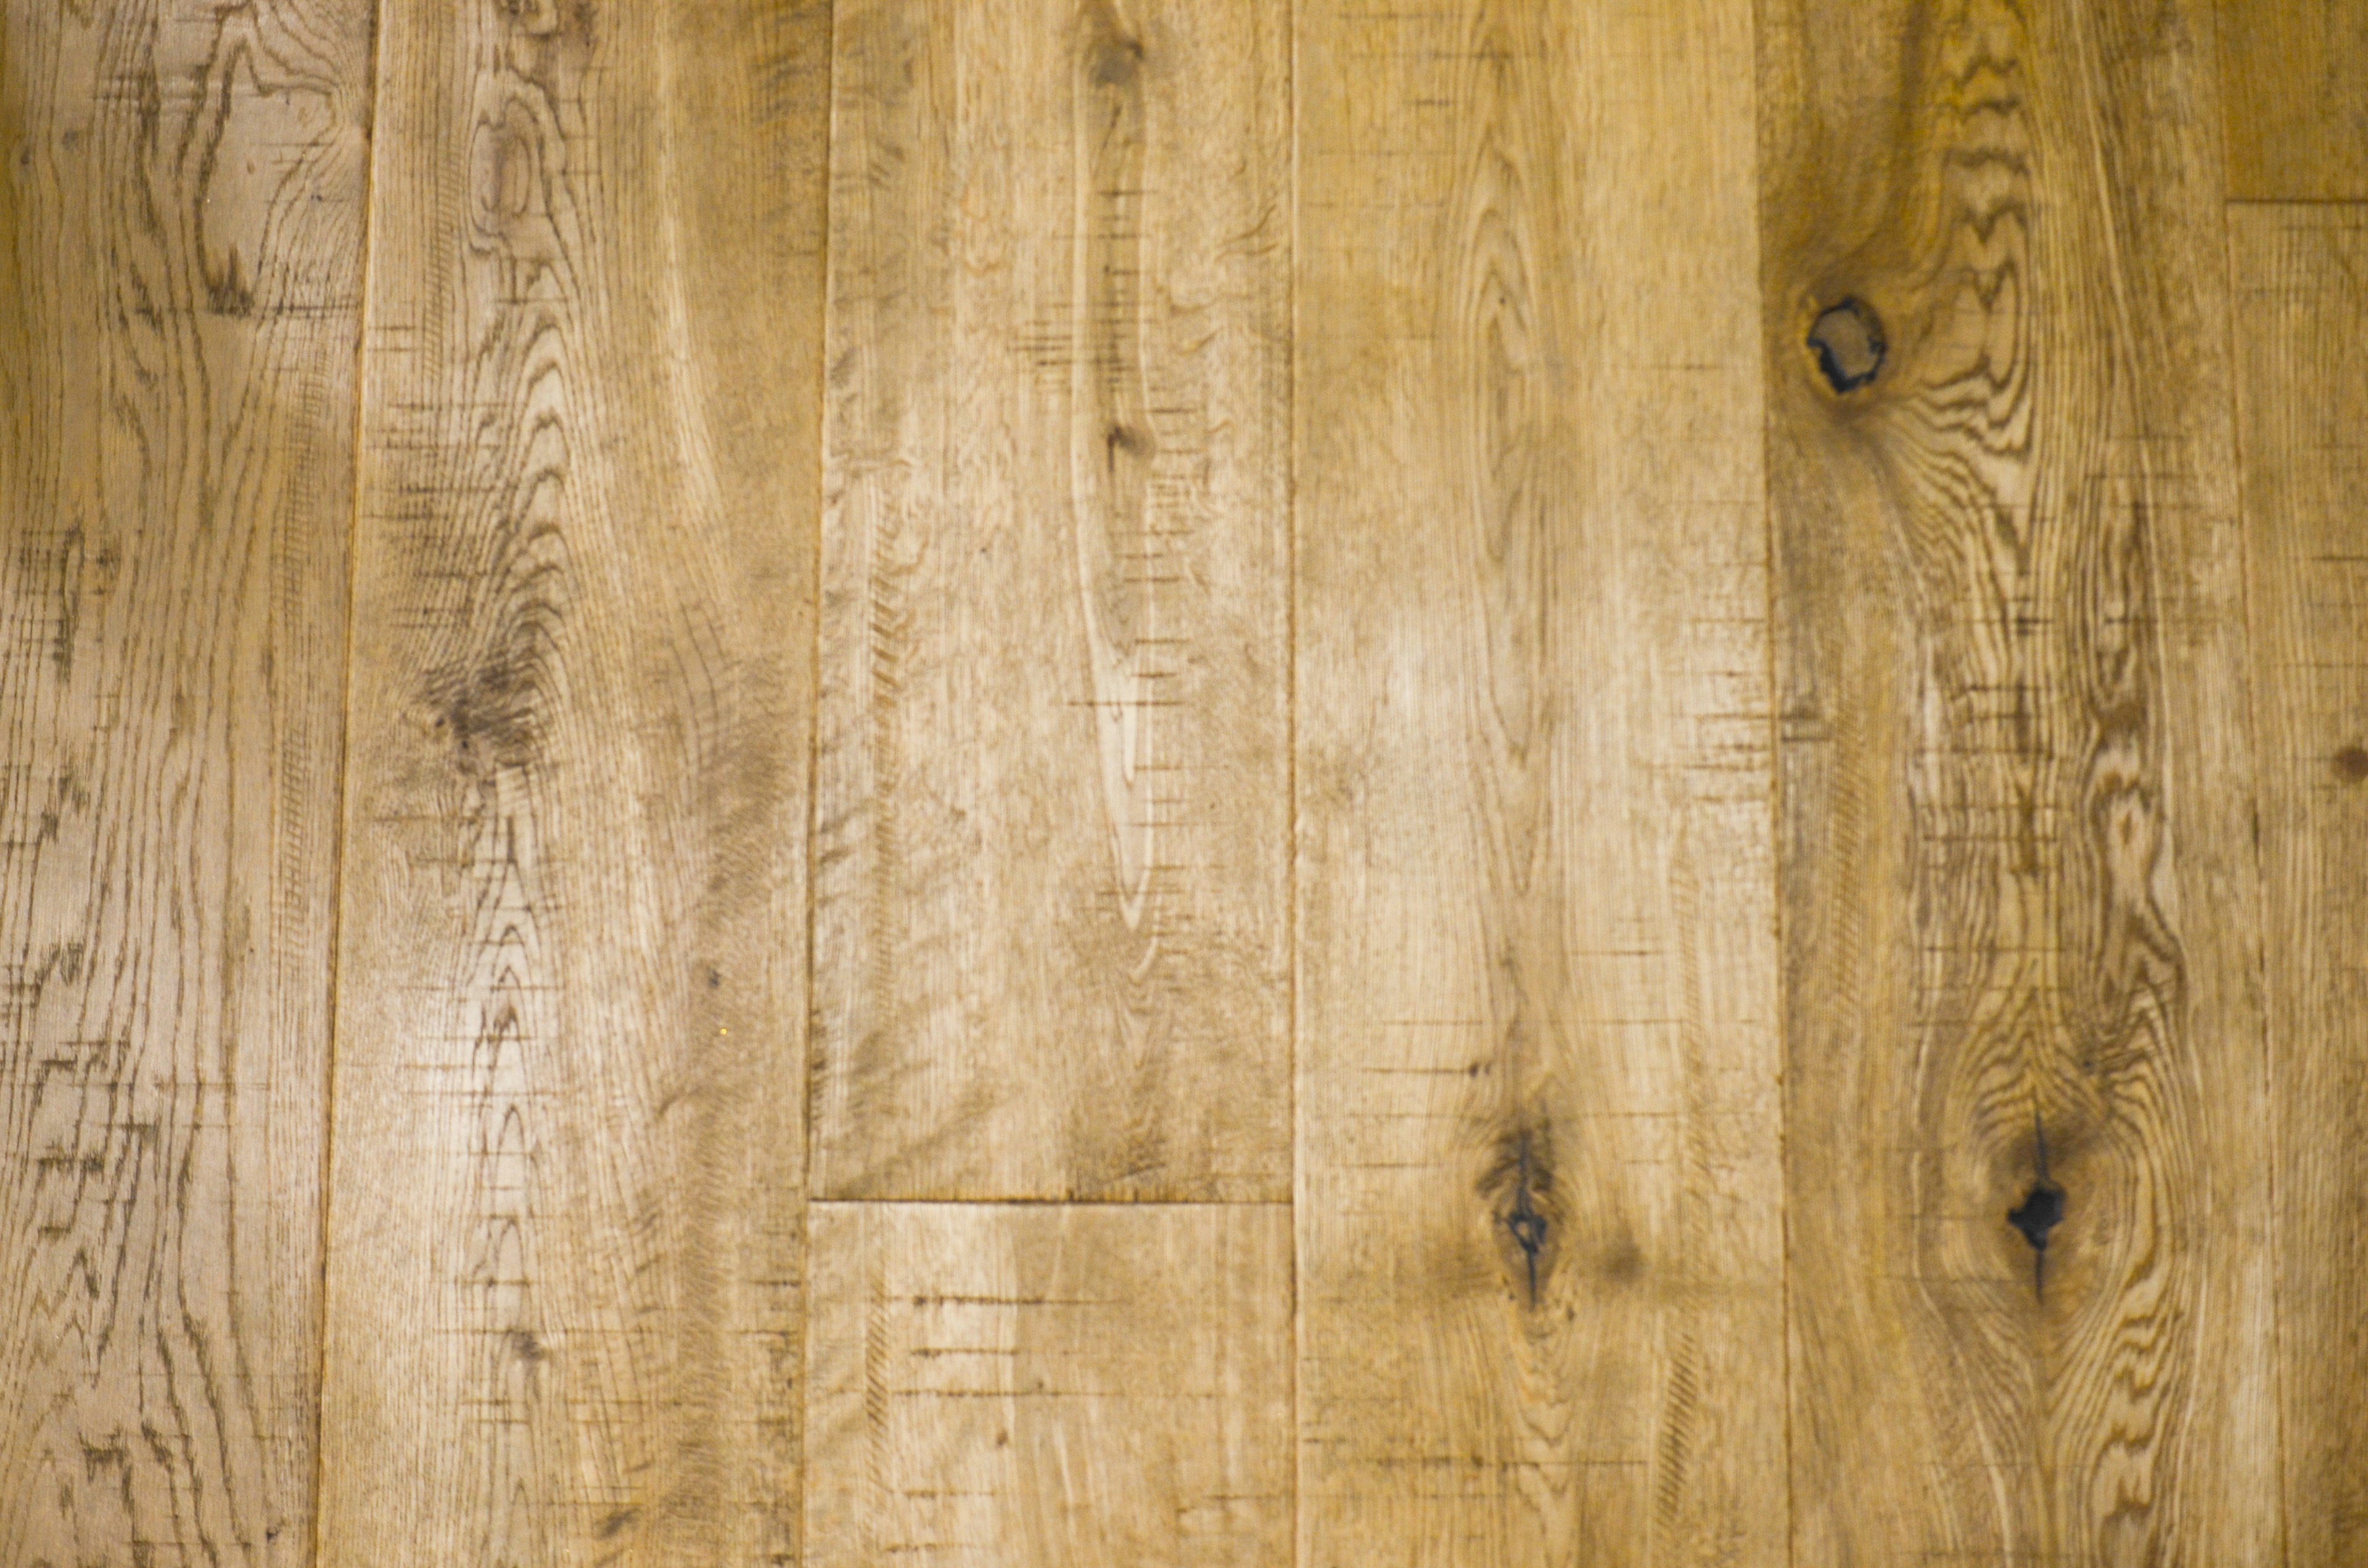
{"x":2020,"y":896}
{"x":2301,"y":287}
{"x":2296,"y":115}
{"x":181,"y":227}
{"x":565,"y":1283}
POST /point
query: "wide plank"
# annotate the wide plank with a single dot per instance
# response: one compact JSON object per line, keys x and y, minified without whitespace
{"x":2026,"y":1116}
{"x":565,"y":1273}
{"x":2297,"y":119}
{"x":181,"y":231}
{"x":1052,"y":814}
{"x":1050,"y":1386}
{"x":1539,"y":1228}
{"x":2301,"y":306}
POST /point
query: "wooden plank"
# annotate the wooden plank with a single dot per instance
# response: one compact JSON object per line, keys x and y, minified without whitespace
{"x":180,"y":251}
{"x":565,"y":1299}
{"x":2018,"y":890}
{"x":1540,"y":1237}
{"x":2297,"y":122}
{"x":1051,"y":812}
{"x":1050,"y":1385}
{"x":2301,"y":304}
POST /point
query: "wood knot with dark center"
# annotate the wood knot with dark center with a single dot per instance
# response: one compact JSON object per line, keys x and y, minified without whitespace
{"x":1529,"y":1228}
{"x":1848,"y":340}
{"x":1113,"y":55}
{"x":487,"y":711}
{"x":2042,"y":1210}
{"x":1519,"y":1186}
{"x":2352,"y":764}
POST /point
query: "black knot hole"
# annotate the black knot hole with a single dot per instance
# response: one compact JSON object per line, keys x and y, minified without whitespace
{"x":1528,"y":1169}
{"x":1529,"y":1228}
{"x":1848,"y":341}
{"x":2041,"y":1212}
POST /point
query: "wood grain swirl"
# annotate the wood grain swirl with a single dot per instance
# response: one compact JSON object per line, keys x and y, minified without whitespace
{"x":573,"y":1007}
{"x":181,"y":218}
{"x":2029,"y":1306}
{"x":1014,"y":783}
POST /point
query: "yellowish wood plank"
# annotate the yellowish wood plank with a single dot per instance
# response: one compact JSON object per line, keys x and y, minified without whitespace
{"x":564,"y":1298}
{"x":2301,"y":307}
{"x":1539,"y":1227}
{"x":1062,"y":1386}
{"x":2019,"y":898}
{"x":1051,"y":809}
{"x":180,"y":251}
{"x":2296,"y":99}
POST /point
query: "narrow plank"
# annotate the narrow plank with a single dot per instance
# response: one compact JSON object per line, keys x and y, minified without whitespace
{"x":564,"y":1284}
{"x":2026,"y":1116}
{"x":1062,"y":1386}
{"x":2297,"y":122}
{"x":1052,"y":808}
{"x":2301,"y":305}
{"x":1539,"y":1224}
{"x":180,"y":251}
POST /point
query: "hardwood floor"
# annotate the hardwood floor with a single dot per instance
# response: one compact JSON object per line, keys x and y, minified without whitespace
{"x":182,"y":206}
{"x":1539,"y":1187}
{"x":1204,"y":782}
{"x":2020,"y":912}
{"x":1052,"y":806}
{"x":2300,"y":306}
{"x":570,"y":989}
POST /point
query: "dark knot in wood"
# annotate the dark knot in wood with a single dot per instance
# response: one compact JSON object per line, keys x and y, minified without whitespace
{"x":1848,"y":341}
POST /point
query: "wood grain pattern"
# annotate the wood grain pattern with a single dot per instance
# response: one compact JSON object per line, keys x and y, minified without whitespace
{"x":180,"y":243}
{"x":1061,"y":1386}
{"x":1052,"y":813}
{"x":1541,"y":1309}
{"x":2301,"y":307}
{"x":2297,"y":120}
{"x":2019,"y":892}
{"x":564,"y":1293}
{"x":1475,"y":782}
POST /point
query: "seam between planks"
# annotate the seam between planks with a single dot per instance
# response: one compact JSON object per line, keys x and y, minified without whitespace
{"x":1775,"y":695}
{"x":2234,"y":383}
{"x":1292,"y":910}
{"x":818,"y":557}
{"x":2270,"y":1002}
{"x":975,"y":1202}
{"x":1149,"y":1203}
{"x":344,"y":754}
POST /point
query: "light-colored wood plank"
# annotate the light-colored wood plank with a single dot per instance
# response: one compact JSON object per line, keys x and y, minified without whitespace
{"x":1052,"y":813}
{"x":564,"y":1297}
{"x":2302,"y":377}
{"x":1062,"y":1386}
{"x":2297,"y":107}
{"x":181,"y":250}
{"x":1541,"y":1247}
{"x":2019,"y":893}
